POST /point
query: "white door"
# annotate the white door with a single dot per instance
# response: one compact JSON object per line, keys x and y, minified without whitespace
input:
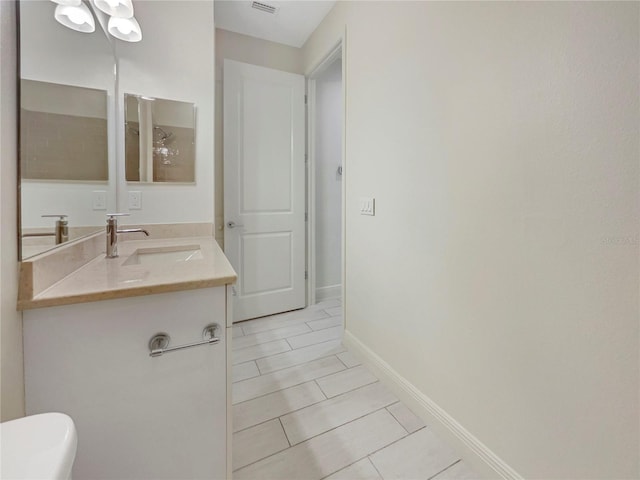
{"x":264,"y":190}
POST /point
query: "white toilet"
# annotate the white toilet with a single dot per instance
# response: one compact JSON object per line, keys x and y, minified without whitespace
{"x":38,"y":447}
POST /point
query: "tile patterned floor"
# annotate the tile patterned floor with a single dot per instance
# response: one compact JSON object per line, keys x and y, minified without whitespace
{"x":305,"y":408}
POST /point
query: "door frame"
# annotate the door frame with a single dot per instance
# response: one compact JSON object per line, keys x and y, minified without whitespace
{"x":335,"y":52}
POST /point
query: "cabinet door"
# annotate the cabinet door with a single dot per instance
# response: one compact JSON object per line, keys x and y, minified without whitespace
{"x":137,"y":416}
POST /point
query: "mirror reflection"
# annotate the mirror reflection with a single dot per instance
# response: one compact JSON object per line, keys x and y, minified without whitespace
{"x":67,"y":150}
{"x":159,"y":140}
{"x":63,"y":132}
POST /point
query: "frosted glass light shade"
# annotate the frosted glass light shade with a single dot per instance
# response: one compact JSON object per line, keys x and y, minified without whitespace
{"x":73,"y":3}
{"x":127,"y":29}
{"x":115,"y":8}
{"x":77,"y":18}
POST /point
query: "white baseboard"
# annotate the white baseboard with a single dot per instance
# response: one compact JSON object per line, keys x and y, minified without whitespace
{"x":326,"y":293}
{"x":472,"y":450}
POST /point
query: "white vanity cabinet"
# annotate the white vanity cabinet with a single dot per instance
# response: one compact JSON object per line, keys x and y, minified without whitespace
{"x":137,"y":416}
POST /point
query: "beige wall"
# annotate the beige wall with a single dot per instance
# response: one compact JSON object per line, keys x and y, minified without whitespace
{"x":11,"y":370}
{"x":500,"y":273}
{"x":63,"y":147}
{"x":255,"y":51}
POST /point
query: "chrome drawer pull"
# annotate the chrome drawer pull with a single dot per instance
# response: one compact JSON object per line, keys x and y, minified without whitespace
{"x":159,"y":343}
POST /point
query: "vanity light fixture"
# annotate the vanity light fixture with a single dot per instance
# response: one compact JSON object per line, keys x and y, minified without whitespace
{"x":116,"y":8}
{"x":77,"y":17}
{"x":72,"y":3}
{"x":75,"y":14}
{"x":127,"y":29}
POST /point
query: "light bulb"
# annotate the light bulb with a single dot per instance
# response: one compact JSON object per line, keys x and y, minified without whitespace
{"x":76,"y":16}
{"x":125,"y":28}
{"x":115,"y":8}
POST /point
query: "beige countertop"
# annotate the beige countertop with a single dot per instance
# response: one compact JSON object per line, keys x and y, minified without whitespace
{"x":108,"y":278}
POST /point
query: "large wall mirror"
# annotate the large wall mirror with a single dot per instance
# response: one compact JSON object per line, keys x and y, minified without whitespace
{"x":67,"y":151}
{"x":75,"y":84}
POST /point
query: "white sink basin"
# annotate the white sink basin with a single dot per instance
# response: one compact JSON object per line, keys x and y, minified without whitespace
{"x":38,"y":447}
{"x":164,"y":255}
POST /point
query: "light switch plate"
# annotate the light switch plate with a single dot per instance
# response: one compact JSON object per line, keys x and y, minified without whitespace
{"x":367,"y":206}
{"x":135,"y":200}
{"x":99,"y":200}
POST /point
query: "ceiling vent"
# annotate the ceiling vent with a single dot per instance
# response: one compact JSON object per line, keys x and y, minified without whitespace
{"x":264,"y":7}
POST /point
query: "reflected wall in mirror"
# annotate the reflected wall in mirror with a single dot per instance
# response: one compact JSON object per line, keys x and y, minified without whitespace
{"x":159,"y":140}
{"x":63,"y":132}
{"x":67,"y":146}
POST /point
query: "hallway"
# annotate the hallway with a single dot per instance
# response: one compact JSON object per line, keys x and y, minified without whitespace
{"x":305,"y":408}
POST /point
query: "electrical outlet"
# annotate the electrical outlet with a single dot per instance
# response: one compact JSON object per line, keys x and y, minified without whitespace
{"x":99,"y":200}
{"x":135,"y":200}
{"x":367,"y":206}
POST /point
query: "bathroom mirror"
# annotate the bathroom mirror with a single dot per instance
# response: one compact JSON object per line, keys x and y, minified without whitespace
{"x":159,"y":140}
{"x":67,"y":148}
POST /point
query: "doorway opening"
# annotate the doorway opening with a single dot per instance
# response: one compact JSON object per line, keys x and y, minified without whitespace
{"x":325,"y":179}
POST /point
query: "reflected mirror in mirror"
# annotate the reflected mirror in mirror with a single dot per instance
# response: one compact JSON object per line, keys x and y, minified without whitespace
{"x":63,"y":132}
{"x":67,"y":150}
{"x":159,"y":140}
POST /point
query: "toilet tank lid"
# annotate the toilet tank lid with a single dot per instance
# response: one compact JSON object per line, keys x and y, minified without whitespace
{"x":38,"y":446}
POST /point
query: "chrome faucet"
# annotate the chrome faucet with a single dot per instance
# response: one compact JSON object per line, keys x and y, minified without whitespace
{"x":112,"y":233}
{"x":61,"y":232}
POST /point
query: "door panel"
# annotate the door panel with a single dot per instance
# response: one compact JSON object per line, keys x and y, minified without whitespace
{"x":267,"y":252}
{"x":267,"y":157}
{"x":264,"y":188}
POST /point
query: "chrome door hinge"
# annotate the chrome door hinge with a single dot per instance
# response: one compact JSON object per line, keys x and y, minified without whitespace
{"x":306,"y":275}
{"x":306,"y":157}
{"x":306,"y":217}
{"x":305,"y":99}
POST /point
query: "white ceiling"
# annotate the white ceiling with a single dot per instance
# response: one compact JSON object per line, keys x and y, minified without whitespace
{"x":292,"y":24}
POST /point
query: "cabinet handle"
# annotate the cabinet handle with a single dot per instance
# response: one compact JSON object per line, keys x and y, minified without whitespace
{"x":159,"y":343}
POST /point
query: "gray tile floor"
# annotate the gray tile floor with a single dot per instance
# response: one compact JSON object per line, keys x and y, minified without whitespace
{"x":305,"y":408}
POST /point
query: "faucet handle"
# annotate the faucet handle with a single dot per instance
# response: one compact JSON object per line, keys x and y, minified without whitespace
{"x":112,"y":220}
